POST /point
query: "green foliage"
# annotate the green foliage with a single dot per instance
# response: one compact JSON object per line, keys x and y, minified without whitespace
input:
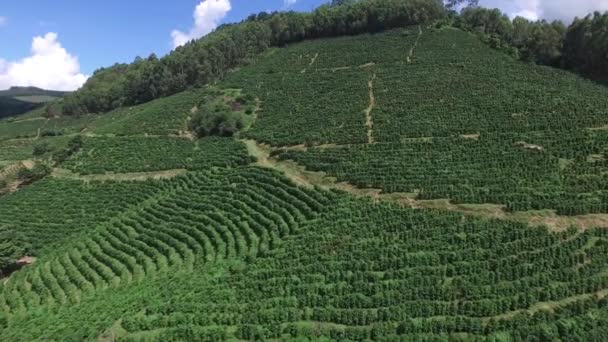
{"x":540,"y":41}
{"x":458,"y":86}
{"x":14,"y":150}
{"x":316,"y":92}
{"x":443,"y":131}
{"x":19,"y":100}
{"x":222,"y":123}
{"x":139,"y":154}
{"x":166,"y":116}
{"x":585,"y":47}
{"x":203,"y":219}
{"x":521,"y":172}
{"x":202,"y":61}
{"x":357,"y":271}
{"x":13,"y":246}
{"x":37,"y":172}
{"x":41,"y":148}
{"x":12,"y":107}
{"x":227,"y":251}
{"x":73,"y":146}
{"x":222,"y":112}
{"x":50,"y":212}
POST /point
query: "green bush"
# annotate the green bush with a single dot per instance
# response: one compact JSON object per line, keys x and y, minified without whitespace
{"x":220,"y":122}
{"x":41,"y":148}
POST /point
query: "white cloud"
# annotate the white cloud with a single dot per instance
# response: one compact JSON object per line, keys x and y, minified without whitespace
{"x":49,"y":66}
{"x":3,"y":20}
{"x":526,"y":13}
{"x":207,"y":16}
{"x":289,"y":3}
{"x":564,"y":10}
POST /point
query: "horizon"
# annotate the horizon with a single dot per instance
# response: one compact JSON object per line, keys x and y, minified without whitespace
{"x":51,"y":48}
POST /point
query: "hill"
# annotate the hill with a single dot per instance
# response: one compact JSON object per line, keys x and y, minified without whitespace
{"x":19,"y":100}
{"x":409,"y":184}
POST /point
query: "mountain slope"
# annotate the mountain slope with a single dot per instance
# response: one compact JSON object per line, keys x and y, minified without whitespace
{"x":143,"y":232}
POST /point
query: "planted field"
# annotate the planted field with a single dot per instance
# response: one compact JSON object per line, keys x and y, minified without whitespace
{"x":317,"y":92}
{"x":146,"y":233}
{"x":167,"y":116}
{"x":555,"y":170}
{"x":52,"y":211}
{"x":358,"y":271}
{"x":22,"y":149}
{"x":17,"y":149}
{"x":457,"y":85}
{"x":20,"y":129}
{"x":197,"y":218}
{"x":141,"y":154}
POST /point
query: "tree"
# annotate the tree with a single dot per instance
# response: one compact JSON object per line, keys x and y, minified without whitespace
{"x":207,"y":59}
{"x":13,"y":246}
{"x":41,"y":148}
{"x":38,"y":172}
{"x":585,"y":46}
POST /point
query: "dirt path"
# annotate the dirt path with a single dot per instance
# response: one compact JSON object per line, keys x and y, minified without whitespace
{"x":369,"y":120}
{"x":133,"y":176}
{"x":312,"y":61}
{"x":410,"y":54}
{"x":306,"y":178}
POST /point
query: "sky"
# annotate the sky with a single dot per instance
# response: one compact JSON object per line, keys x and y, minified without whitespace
{"x":58,"y":44}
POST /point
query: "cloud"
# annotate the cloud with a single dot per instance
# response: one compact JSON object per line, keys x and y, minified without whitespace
{"x":528,"y":14}
{"x":49,"y":66}
{"x":564,"y":10}
{"x":207,"y":16}
{"x":289,"y":3}
{"x":3,"y":20}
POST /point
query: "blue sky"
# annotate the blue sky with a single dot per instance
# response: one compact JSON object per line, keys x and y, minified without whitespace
{"x":57,"y":44}
{"x":101,"y":33}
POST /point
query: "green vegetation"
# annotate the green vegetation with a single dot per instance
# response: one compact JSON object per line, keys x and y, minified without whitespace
{"x":357,"y":271}
{"x":580,"y":47}
{"x":135,"y":154}
{"x":546,"y":172}
{"x":203,"y":61}
{"x":440,"y":128}
{"x":19,"y":100}
{"x":178,"y":214}
{"x":167,"y":116}
{"x":223,"y":112}
{"x":50,"y":212}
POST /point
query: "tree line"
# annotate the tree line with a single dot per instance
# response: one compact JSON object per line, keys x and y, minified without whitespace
{"x":205,"y":60}
{"x":581,"y":47}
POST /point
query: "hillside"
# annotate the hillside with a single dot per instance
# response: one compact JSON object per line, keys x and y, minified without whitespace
{"x":19,"y":100}
{"x":412,"y":184}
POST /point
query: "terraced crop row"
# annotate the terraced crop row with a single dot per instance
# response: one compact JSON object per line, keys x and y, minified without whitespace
{"x":366,"y":271}
{"x":140,"y":154}
{"x":451,"y":84}
{"x":166,"y":116}
{"x":458,"y":85}
{"x":202,"y":217}
{"x":316,"y":92}
{"x":51,"y":211}
{"x":22,"y":149}
{"x":556,"y":170}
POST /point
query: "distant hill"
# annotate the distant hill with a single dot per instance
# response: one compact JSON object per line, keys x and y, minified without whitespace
{"x":19,"y":100}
